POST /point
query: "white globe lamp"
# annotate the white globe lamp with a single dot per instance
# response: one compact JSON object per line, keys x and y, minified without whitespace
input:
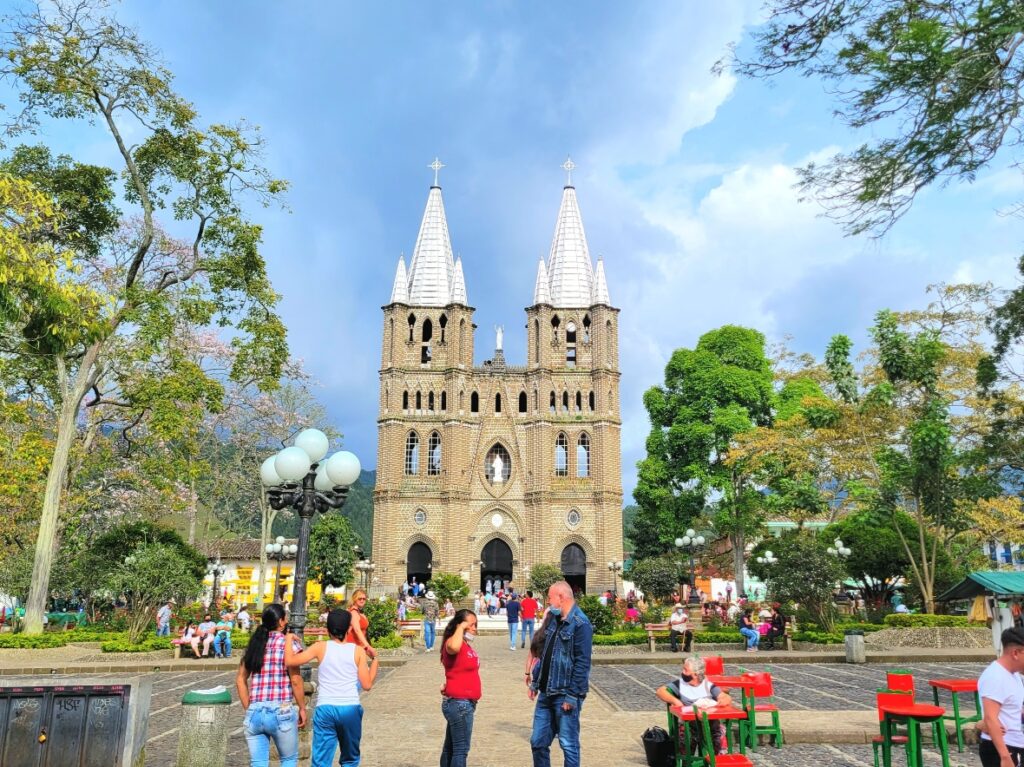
{"x":322,"y":482}
{"x":343,"y":468}
{"x":292,"y":464}
{"x":314,"y":442}
{"x":268,"y":474}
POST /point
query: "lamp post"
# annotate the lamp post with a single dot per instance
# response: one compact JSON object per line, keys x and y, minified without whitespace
{"x":838,"y":549}
{"x":615,"y":568}
{"x":768,"y":558}
{"x":365,"y":569}
{"x":692,"y":544}
{"x":298,"y":476}
{"x":280,"y":550}
{"x":215,"y":569}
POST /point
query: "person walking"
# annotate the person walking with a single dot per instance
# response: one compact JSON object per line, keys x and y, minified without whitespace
{"x":1002,"y":697}
{"x":461,"y":691}
{"x":360,"y":623}
{"x":528,"y":615}
{"x":749,"y":630}
{"x":512,"y":609}
{"x":430,"y":610}
{"x":562,"y":678}
{"x":163,"y":619}
{"x":266,"y":689}
{"x":338,"y":717}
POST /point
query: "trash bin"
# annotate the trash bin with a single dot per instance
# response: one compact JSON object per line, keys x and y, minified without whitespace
{"x":658,"y":747}
{"x":205,"y":720}
{"x":855,"y":652}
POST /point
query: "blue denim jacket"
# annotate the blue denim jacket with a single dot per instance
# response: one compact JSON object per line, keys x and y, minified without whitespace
{"x":569,"y":674}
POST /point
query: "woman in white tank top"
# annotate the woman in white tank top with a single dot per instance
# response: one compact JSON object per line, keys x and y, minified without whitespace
{"x":338,"y":718}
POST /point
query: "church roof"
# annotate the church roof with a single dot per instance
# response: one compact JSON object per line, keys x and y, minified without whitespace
{"x":570,"y":273}
{"x":432,"y":270}
{"x":400,"y":290}
{"x":601,"y":285}
{"x":542,"y":289}
{"x":459,"y":285}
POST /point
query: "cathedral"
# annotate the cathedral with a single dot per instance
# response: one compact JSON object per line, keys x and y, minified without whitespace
{"x":487,"y":470}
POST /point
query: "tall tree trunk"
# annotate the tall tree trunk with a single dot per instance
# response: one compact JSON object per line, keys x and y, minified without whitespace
{"x":739,"y":558}
{"x":193,"y":511}
{"x":267,"y":516}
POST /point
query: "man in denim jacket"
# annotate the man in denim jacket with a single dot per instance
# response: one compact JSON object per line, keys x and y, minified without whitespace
{"x":561,"y":679}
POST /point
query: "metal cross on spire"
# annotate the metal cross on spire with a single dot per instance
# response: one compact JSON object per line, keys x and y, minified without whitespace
{"x":568,"y":166}
{"x":436,"y":166}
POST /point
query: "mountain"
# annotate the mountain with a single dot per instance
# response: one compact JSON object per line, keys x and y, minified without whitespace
{"x":358,"y":509}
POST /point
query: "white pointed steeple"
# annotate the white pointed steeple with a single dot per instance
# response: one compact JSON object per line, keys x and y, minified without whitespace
{"x":542,"y":289}
{"x":432,"y":268}
{"x":459,"y":285}
{"x":400,"y":290}
{"x":571,"y":275}
{"x":601,"y":285}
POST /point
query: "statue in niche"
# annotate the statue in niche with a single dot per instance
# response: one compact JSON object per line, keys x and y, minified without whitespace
{"x":499,"y":331}
{"x":498,"y":469}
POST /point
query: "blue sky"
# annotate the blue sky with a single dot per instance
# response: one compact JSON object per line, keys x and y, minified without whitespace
{"x":685,"y":179}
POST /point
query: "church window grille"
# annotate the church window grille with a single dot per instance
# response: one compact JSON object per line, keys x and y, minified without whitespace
{"x":583,"y":457}
{"x":561,"y":456}
{"x":573,"y":518}
{"x":522,"y":402}
{"x":570,"y":357}
{"x":474,"y":403}
{"x":412,"y":453}
{"x":412,"y":326}
{"x":420,"y":517}
{"x":497,"y":403}
{"x":434,"y":454}
{"x":590,"y":398}
{"x":444,"y":401}
{"x":430,"y":402}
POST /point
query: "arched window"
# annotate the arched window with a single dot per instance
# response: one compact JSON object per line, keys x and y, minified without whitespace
{"x":391,"y":339}
{"x":535,"y":396}
{"x":443,"y":322}
{"x":412,"y":453}
{"x":536,"y":341}
{"x":555,"y":322}
{"x":586,"y":328}
{"x":561,"y":456}
{"x":552,"y":402}
{"x":474,"y":403}
{"x":497,"y":403}
{"x":609,"y":344}
{"x":565,"y":402}
{"x":462,"y":339}
{"x":430,"y":402}
{"x":570,"y":333}
{"x":583,"y":457}
{"x":579,"y":402}
{"x":497,"y":465}
{"x":434,"y":454}
{"x":462,"y":401}
{"x":419,"y":401}
{"x":591,"y":401}
{"x":444,"y":402}
{"x":412,"y":325}
{"x":428,"y":330}
{"x":405,"y":400}
{"x":522,"y":402}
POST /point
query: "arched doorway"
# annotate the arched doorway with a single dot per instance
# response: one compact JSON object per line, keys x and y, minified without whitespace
{"x":418,"y":563}
{"x":574,"y":567}
{"x":495,"y":563}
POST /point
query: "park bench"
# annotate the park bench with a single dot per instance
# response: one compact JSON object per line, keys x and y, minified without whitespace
{"x":315,"y":635}
{"x":410,"y":630}
{"x":655,"y":628}
{"x":180,"y":645}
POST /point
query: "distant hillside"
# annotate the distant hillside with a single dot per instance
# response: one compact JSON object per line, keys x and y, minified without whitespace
{"x":358,"y":509}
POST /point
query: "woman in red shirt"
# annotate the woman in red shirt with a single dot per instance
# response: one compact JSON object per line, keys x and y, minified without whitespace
{"x":461,"y":689}
{"x":360,"y":623}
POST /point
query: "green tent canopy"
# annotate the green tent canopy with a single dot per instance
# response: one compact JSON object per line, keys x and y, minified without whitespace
{"x":987,"y":582}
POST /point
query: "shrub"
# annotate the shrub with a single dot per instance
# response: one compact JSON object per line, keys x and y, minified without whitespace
{"x":389,"y":642}
{"x":620,"y":638}
{"x":717,"y":637}
{"x":449,"y":586}
{"x":542,"y":575}
{"x":924,"y":620}
{"x":714,"y":622}
{"x":600,"y":616}
{"x":655,"y":614}
{"x":383,"y":617}
{"x":34,"y":642}
{"x":818,"y":637}
{"x":656,"y":577}
{"x":123,"y":644}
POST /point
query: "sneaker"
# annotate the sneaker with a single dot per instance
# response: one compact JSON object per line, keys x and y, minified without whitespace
{"x":512,"y":648}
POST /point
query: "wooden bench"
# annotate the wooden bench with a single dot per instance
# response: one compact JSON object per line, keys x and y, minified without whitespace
{"x":315,"y":635}
{"x":410,"y":630}
{"x":651,"y":628}
{"x":179,"y":645}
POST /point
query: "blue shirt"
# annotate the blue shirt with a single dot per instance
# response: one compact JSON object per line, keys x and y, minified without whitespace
{"x":512,"y":610}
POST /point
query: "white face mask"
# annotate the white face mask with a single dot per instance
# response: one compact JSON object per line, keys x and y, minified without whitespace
{"x":469,"y":637}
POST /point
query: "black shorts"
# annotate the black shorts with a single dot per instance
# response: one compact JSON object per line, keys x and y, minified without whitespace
{"x":990,"y":757}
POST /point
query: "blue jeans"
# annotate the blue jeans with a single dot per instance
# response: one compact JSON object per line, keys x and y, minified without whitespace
{"x":334,"y":725}
{"x":752,"y":637}
{"x":458,"y":713}
{"x":222,"y":644}
{"x":429,"y":633}
{"x":277,"y":721}
{"x":164,"y":630}
{"x":550,"y":720}
{"x":526,"y":626}
{"x":512,"y":628}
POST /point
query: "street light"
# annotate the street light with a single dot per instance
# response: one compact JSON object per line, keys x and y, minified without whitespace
{"x":280,"y":550}
{"x":615,"y":568}
{"x":838,"y":549}
{"x":298,"y":476}
{"x":365,"y":569}
{"x":768,"y":558}
{"x":215,"y":569}
{"x":692,"y":544}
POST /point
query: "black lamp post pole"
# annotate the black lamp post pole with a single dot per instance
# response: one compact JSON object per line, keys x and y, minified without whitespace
{"x":277,"y":578}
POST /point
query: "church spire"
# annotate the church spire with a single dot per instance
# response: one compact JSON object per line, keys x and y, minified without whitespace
{"x":432,"y":269}
{"x":459,"y":285}
{"x":400,"y":290}
{"x":542,"y":289}
{"x":571,"y":275}
{"x":601,"y":285}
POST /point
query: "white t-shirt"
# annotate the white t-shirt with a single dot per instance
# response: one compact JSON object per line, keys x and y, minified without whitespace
{"x":1006,"y":689}
{"x":677,"y":620}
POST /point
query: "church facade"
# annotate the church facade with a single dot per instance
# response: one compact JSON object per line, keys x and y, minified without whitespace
{"x":487,"y":470}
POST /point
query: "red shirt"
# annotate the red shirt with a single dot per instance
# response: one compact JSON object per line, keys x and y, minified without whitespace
{"x":461,"y":673}
{"x":364,"y":624}
{"x":528,"y":609}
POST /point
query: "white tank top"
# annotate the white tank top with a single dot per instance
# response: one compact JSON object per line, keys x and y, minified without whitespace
{"x":338,"y":676}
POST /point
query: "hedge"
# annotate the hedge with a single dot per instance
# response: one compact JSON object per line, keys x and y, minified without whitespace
{"x":32,"y":642}
{"x":120,"y":643}
{"x":818,"y":637}
{"x":391,"y":642}
{"x":620,"y":638}
{"x":925,"y":620}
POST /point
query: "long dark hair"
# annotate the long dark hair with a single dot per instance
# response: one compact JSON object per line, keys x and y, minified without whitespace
{"x":454,"y":623}
{"x":269,"y":621}
{"x":537,"y":643}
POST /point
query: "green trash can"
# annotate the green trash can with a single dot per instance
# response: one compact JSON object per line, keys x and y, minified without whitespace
{"x":205,"y":724}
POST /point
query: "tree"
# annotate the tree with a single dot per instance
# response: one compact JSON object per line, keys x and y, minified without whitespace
{"x":151,"y":574}
{"x":711,"y":395}
{"x":449,"y":586}
{"x":877,"y":557}
{"x":106,"y":323}
{"x":656,"y":577}
{"x":332,"y":550}
{"x":805,"y":572}
{"x":938,"y":86}
{"x":542,"y":575}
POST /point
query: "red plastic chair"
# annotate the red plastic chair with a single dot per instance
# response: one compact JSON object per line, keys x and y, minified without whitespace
{"x":763,"y":690}
{"x":713,"y":664}
{"x":713,"y":759}
{"x":900,"y":681}
{"x":883,"y":698}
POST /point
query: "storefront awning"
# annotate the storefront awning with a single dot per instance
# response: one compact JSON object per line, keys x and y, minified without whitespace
{"x":987,"y":582}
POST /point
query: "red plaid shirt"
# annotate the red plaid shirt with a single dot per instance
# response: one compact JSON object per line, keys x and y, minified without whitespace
{"x":272,"y":684}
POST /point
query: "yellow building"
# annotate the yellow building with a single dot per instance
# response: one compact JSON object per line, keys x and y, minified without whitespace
{"x":240,"y":583}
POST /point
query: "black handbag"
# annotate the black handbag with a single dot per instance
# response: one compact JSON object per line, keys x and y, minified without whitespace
{"x":658,"y":747}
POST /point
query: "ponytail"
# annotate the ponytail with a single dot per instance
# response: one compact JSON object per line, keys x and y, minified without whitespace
{"x":270,"y":620}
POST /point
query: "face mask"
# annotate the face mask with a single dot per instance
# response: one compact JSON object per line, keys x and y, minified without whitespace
{"x":686,"y":677}
{"x":469,"y":637}
{"x":556,"y":611}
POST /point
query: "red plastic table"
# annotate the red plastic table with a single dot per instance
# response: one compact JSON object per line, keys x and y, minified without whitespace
{"x":955,"y":687}
{"x":913,"y":714}
{"x":720,"y":713}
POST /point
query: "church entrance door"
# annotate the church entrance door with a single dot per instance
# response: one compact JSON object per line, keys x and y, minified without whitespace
{"x":418,"y":563}
{"x":495,"y":564}
{"x":574,"y":567}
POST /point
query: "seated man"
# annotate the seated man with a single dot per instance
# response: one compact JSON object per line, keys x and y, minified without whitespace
{"x":205,"y":634}
{"x":693,"y":689}
{"x":678,"y":625}
{"x":222,"y":640}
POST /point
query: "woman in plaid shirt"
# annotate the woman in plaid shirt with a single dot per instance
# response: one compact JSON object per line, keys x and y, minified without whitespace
{"x":266,"y":688}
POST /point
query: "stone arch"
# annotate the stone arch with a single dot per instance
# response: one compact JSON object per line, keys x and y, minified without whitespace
{"x":485,"y":515}
{"x":565,"y":540}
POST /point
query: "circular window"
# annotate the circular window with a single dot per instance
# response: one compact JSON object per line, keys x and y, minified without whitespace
{"x":497,"y":520}
{"x":572,"y":518}
{"x":420,"y":517}
{"x":498,"y":465}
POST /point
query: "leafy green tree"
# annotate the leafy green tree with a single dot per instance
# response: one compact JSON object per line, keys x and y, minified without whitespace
{"x":656,"y":577}
{"x":148,"y":576}
{"x":449,"y":586}
{"x":383,"y":617}
{"x":877,"y":558}
{"x":107,"y":323}
{"x":711,"y":395}
{"x":332,"y":553}
{"x":542,"y":575}
{"x":601,"y":616}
